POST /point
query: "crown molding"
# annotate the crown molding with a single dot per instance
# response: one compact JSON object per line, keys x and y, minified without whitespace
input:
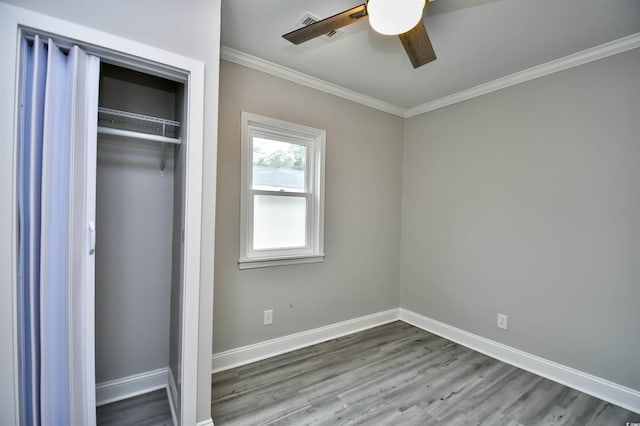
{"x":589,"y":55}
{"x":580,"y":58}
{"x":274,"y":69}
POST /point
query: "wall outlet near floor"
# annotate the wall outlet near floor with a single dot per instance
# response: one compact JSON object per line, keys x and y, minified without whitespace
{"x":268,"y":317}
{"x":502,"y":321}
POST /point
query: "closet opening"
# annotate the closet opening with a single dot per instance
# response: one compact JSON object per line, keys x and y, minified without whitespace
{"x":139,"y":222}
{"x":115,"y":127}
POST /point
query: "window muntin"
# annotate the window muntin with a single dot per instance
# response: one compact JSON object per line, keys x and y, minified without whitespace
{"x":282,"y":193}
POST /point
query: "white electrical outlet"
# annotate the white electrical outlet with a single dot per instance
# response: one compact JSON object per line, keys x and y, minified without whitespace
{"x":268,"y":317}
{"x":502,"y":321}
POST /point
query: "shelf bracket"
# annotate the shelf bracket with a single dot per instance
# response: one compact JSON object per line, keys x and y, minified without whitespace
{"x":162,"y":160}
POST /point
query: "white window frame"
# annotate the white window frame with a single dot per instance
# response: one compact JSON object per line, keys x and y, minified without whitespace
{"x":313,"y":139}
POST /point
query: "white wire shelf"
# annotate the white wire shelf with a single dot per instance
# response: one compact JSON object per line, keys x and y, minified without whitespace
{"x":129,"y":124}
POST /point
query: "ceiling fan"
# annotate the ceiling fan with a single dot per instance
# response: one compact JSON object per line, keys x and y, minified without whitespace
{"x":390,"y":17}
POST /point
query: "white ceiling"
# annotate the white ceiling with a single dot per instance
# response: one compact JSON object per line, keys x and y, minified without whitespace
{"x":476,"y":41}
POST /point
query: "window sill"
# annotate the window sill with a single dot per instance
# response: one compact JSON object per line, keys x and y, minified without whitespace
{"x":279,"y":261}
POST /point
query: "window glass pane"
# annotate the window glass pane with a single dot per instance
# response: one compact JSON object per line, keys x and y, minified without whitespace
{"x":279,"y":222}
{"x":278,"y":165}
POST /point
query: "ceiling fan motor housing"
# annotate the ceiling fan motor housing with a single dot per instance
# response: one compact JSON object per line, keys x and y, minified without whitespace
{"x":393,"y":17}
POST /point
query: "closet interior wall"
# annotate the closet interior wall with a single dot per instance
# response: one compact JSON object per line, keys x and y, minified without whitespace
{"x":138,"y":240}
{"x":175,"y":335}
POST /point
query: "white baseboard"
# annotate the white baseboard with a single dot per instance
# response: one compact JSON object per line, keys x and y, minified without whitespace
{"x":208,"y":422}
{"x":126,"y":387}
{"x":172,"y":394}
{"x":584,"y":382}
{"x":251,"y":353}
{"x":600,"y":388}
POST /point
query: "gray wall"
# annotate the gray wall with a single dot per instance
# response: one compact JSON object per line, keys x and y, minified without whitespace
{"x":8,"y":315}
{"x":526,"y":201}
{"x":134,"y":214}
{"x":175,"y":323}
{"x":362,"y":216}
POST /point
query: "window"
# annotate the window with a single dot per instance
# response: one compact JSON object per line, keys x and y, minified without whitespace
{"x":282,"y":193}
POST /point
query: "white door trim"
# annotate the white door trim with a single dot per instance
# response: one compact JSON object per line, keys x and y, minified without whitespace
{"x":12,"y":19}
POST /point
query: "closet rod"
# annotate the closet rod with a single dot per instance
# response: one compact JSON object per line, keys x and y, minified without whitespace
{"x":137,"y":135}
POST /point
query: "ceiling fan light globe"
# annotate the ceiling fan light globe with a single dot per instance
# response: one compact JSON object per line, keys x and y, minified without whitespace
{"x":392,"y":17}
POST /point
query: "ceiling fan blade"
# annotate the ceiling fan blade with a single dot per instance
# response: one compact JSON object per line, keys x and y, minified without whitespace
{"x":417,"y":45}
{"x":327,"y":25}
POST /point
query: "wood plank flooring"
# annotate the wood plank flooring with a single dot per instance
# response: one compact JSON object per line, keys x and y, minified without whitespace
{"x":145,"y":410}
{"x":397,"y":374}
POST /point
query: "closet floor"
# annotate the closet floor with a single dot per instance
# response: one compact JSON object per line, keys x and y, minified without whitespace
{"x":149,"y":409}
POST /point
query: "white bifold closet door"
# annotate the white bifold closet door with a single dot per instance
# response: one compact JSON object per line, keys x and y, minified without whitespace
{"x":56,"y":187}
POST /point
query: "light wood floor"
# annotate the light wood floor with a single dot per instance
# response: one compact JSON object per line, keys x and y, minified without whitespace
{"x":397,"y":374}
{"x":144,"y":410}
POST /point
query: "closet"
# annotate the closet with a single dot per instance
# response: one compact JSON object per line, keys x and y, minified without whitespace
{"x":107,"y":231}
{"x":138,"y":225}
